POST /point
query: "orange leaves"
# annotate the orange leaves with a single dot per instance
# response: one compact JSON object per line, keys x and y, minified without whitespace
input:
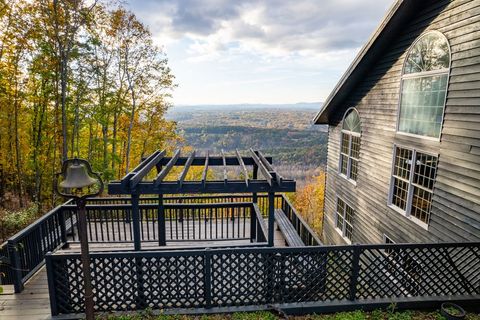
{"x":309,"y":201}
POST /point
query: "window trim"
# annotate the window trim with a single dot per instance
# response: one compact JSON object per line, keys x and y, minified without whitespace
{"x":403,"y":76}
{"x":349,"y":157}
{"x":342,"y":231}
{"x":407,"y":212}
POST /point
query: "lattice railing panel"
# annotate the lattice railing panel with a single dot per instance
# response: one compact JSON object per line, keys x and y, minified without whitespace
{"x":240,"y":278}
{"x":418,"y":271}
{"x":177,"y":281}
{"x":261,"y":276}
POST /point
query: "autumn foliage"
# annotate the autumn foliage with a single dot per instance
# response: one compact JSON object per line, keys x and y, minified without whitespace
{"x":77,"y":78}
{"x":309,"y":201}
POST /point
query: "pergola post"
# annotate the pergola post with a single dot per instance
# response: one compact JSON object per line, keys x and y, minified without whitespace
{"x":137,"y":241}
{"x":162,"y":238}
{"x":255,"y":176}
{"x":271,"y":218}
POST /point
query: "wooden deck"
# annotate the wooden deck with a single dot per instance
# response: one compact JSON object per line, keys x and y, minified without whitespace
{"x":34,"y":304}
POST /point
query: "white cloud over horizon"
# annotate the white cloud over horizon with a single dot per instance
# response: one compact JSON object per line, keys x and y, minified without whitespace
{"x":263,"y":51}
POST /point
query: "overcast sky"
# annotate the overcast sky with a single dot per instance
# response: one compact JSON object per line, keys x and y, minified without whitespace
{"x":259,"y":51}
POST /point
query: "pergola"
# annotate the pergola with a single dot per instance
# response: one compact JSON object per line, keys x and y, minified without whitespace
{"x":263,"y":179}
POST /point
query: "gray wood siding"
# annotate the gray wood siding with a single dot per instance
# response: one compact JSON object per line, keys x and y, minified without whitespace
{"x":455,"y":213}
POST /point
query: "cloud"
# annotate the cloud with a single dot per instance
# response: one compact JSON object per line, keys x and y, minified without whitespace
{"x":277,"y":27}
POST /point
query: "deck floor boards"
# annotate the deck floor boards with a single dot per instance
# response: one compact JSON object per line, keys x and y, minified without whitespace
{"x":34,"y":304}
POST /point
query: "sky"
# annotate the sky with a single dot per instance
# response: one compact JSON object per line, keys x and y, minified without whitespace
{"x":258,"y":51}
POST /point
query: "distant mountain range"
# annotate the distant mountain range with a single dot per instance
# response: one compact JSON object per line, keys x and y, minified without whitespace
{"x":246,"y":106}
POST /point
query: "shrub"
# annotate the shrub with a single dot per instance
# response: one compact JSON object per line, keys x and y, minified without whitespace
{"x":13,"y":221}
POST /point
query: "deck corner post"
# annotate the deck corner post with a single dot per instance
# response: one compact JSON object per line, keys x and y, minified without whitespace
{"x":355,"y":271}
{"x":13,"y":251}
{"x":253,"y":224}
{"x":63,"y":227}
{"x":208,"y":278}
{"x":255,"y":176}
{"x":51,"y":284}
{"x":136,"y":222}
{"x":162,"y":236}
{"x":271,"y":218}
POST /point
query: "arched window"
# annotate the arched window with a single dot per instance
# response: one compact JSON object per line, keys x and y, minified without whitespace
{"x":350,"y":148}
{"x":424,"y":86}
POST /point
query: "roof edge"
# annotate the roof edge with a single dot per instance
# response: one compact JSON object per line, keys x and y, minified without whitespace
{"x":321,"y":117}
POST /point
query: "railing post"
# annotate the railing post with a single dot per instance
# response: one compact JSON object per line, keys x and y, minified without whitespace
{"x":355,"y":271}
{"x":51,"y":284}
{"x":13,"y":252}
{"x":271,"y":218}
{"x":136,"y":222}
{"x":162,"y":237}
{"x":208,"y":278}
{"x":180,"y":217}
{"x":255,"y":175}
{"x":63,"y":228}
{"x":253,"y":224}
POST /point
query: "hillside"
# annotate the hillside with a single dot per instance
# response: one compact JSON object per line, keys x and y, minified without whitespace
{"x":285,"y":132}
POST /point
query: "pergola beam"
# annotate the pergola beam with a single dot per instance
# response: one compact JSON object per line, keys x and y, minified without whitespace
{"x":205,"y":170}
{"x":262,"y":168}
{"x":212,"y":161}
{"x":242,"y":164}
{"x":225,"y":176}
{"x":167,"y":168}
{"x":182,"y":176}
{"x":267,"y":181}
{"x":189,"y":187}
{"x":126,"y":179}
{"x":270,"y":168}
{"x":149,"y":164}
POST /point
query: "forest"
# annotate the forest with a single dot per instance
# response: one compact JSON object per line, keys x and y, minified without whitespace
{"x":285,"y":132}
{"x":85,"y":79}
{"x":77,"y":78}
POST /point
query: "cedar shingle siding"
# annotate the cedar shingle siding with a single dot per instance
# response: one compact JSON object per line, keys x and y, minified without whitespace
{"x":455,"y":213}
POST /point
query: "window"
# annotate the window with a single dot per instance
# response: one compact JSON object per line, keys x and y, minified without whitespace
{"x":344,"y":219}
{"x":424,"y":86}
{"x":413,"y":177}
{"x":350,"y":145}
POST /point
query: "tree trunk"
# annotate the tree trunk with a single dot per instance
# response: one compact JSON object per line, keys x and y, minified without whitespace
{"x":130,"y":127}
{"x":63,"y":87}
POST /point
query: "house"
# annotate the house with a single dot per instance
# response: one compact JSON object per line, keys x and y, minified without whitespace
{"x":404,"y":130}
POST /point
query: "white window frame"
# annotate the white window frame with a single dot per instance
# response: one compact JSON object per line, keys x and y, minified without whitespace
{"x":424,"y":74}
{"x":407,"y":212}
{"x":342,"y":231}
{"x":350,"y":134}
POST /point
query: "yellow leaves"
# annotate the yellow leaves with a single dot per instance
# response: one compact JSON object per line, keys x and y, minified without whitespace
{"x":309,"y":201}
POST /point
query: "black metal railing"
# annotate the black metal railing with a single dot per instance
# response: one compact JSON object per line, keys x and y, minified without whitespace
{"x":6,"y":271}
{"x":185,"y":221}
{"x":306,"y":233}
{"x":307,"y":277}
{"x":188,"y":218}
{"x":27,"y":248}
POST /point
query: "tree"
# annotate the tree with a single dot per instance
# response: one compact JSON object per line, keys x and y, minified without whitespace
{"x":144,"y":65}
{"x":309,"y":201}
{"x":76,"y":79}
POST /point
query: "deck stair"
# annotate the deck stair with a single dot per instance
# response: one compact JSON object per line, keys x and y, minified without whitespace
{"x":292,"y":239}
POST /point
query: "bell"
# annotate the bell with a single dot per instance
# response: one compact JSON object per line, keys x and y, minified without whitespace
{"x":77,"y":177}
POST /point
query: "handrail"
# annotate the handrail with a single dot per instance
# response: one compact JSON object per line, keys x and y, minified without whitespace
{"x":261,"y":223}
{"x":34,"y":224}
{"x":166,"y":205}
{"x":26,"y":249}
{"x":311,"y":233}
